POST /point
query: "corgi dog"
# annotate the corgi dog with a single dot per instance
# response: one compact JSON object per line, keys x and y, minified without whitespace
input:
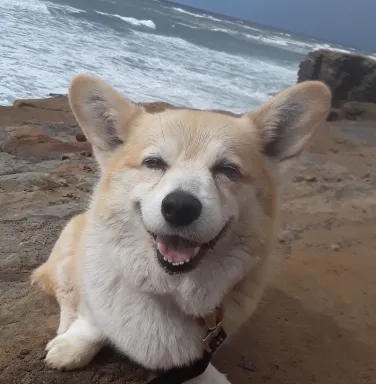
{"x":183,"y":220}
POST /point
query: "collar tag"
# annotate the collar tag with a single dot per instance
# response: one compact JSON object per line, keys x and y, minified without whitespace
{"x":216,"y":334}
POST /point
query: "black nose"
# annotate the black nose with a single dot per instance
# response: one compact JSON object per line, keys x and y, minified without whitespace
{"x":180,"y":208}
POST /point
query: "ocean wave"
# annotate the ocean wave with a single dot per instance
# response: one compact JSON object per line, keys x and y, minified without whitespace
{"x":66,"y":9}
{"x":208,"y":17}
{"x":271,"y":40}
{"x":245,"y":26}
{"x":224,"y":30}
{"x":163,"y":70}
{"x":131,"y":20}
{"x":275,"y":41}
{"x":294,"y":45}
{"x":189,"y":26}
{"x":316,"y":47}
{"x":203,"y":16}
{"x":25,"y":5}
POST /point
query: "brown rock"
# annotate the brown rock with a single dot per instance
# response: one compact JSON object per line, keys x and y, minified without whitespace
{"x":350,"y":77}
{"x":52,"y":104}
{"x":26,"y":142}
{"x":156,"y":107}
{"x":355,"y":110}
{"x":80,"y":137}
{"x":305,"y":178}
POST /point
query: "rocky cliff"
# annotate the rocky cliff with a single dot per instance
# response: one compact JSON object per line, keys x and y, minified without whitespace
{"x":350,"y":77}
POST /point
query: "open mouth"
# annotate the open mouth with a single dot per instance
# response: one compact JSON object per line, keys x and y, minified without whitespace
{"x":177,"y":255}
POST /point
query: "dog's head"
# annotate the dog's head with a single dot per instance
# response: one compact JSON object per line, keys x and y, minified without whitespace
{"x":189,"y":183}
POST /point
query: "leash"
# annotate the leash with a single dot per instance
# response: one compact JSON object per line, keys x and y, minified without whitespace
{"x":213,"y":339}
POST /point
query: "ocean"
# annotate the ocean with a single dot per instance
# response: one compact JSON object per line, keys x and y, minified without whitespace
{"x":149,"y":50}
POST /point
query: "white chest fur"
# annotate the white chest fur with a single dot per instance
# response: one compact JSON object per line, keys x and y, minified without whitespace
{"x":150,"y":329}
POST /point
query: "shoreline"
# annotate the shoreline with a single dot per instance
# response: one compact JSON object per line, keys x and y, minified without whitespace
{"x":55,"y":108}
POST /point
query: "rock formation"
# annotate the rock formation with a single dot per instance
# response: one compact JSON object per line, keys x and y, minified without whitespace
{"x":350,"y":77}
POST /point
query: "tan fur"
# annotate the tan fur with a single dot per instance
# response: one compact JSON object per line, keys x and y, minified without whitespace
{"x":198,"y":133}
{"x":58,"y":275}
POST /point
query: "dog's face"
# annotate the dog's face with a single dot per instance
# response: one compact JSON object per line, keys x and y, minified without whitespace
{"x":183,"y":185}
{"x":193,"y":172}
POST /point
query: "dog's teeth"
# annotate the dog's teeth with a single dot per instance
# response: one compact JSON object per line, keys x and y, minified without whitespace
{"x":197,"y":250}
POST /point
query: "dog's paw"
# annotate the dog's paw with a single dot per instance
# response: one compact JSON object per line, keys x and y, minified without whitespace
{"x":66,"y":353}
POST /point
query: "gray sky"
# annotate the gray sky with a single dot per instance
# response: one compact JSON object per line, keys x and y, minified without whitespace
{"x":348,"y":22}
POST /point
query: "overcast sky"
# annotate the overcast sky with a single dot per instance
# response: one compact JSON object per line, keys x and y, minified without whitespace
{"x":348,"y":22}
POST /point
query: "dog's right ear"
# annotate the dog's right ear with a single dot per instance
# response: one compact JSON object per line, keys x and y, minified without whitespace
{"x":102,"y":113}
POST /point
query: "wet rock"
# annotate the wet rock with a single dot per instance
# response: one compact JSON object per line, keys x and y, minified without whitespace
{"x":54,"y":95}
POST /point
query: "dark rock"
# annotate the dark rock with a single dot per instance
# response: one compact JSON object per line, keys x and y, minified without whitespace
{"x":333,"y":115}
{"x":80,"y":137}
{"x":350,"y":77}
{"x":356,"y":110}
{"x":305,"y":178}
{"x":53,"y":95}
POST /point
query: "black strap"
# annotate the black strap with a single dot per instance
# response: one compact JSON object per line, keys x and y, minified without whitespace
{"x":183,"y":374}
{"x":213,"y":339}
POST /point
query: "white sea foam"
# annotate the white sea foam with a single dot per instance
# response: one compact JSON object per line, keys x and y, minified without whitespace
{"x":25,"y":5}
{"x":224,"y":30}
{"x":189,"y":26}
{"x":200,"y":16}
{"x":144,"y":67}
{"x":280,"y":40}
{"x":131,"y":20}
{"x":66,"y":9}
{"x":165,"y":71}
{"x":315,"y":47}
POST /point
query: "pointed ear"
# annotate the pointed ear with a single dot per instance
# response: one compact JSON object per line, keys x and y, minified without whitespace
{"x":289,"y":120}
{"x":102,"y":113}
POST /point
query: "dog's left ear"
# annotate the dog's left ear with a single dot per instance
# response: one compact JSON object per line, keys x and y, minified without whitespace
{"x":288,"y":121}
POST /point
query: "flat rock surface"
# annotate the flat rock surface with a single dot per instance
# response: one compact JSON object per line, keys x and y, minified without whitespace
{"x":317,"y":321}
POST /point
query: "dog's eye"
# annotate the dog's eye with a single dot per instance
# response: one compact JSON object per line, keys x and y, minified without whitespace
{"x":229,"y":170}
{"x":154,"y":163}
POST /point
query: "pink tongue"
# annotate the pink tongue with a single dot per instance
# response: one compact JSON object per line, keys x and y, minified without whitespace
{"x":175,"y":251}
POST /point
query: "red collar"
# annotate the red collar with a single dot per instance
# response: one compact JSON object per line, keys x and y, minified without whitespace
{"x":215,"y":335}
{"x":207,"y":320}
